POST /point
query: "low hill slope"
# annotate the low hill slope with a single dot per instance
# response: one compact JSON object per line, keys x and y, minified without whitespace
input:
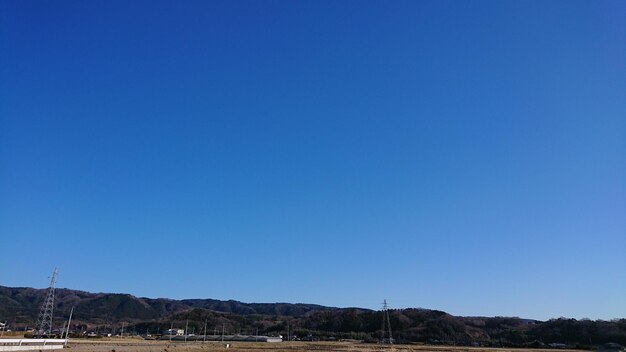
{"x":106,"y":312}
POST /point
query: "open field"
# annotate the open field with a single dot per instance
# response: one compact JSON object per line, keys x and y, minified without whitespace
{"x":128,"y":345}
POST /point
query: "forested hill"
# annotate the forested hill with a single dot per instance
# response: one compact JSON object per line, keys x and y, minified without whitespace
{"x":21,"y":304}
{"x":106,"y":313}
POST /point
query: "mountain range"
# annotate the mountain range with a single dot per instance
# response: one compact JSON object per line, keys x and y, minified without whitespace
{"x":108,"y":312}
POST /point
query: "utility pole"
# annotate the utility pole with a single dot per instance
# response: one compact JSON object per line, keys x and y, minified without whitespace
{"x":205,"y":321}
{"x":222,"y":332}
{"x":67,"y":332}
{"x":122,"y":332}
{"x":186,"y":327}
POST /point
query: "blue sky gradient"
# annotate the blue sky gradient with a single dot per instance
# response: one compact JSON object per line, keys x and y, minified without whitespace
{"x":462,"y":156}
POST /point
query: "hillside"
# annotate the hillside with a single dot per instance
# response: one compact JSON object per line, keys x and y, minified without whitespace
{"x":21,"y":305}
{"x":105,"y":312}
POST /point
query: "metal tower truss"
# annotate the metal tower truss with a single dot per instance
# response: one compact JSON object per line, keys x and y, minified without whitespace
{"x":44,"y":322}
{"x":386,"y":325}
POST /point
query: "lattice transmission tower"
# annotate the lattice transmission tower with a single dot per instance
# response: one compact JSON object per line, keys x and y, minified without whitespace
{"x":386,"y":325}
{"x":44,"y":322}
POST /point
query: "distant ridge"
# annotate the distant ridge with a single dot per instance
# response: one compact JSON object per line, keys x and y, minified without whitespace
{"x":22,"y":303}
{"x":105,"y":312}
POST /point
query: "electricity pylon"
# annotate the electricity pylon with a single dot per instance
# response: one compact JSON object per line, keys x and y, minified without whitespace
{"x":44,"y":322}
{"x":386,"y":325}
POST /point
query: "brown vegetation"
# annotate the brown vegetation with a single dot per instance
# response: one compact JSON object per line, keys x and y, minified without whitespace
{"x":133,"y":345}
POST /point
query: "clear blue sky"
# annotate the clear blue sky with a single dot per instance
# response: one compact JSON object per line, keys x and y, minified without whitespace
{"x":462,"y":156}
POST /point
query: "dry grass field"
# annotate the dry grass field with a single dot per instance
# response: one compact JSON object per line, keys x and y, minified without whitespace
{"x":129,"y":345}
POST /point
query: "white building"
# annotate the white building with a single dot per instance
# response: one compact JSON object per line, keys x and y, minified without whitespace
{"x":174,"y":332}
